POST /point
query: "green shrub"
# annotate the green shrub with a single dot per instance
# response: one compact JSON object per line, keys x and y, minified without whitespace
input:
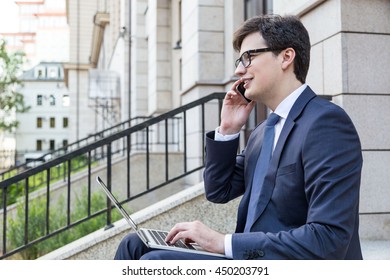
{"x":57,"y":220}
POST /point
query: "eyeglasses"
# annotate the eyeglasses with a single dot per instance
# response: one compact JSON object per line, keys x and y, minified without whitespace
{"x":246,"y":57}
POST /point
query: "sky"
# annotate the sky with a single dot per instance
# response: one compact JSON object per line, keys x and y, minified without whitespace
{"x":8,"y":16}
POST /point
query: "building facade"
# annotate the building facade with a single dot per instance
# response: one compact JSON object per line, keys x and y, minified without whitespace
{"x":94,"y":91}
{"x":45,"y":127}
{"x":167,"y":53}
{"x":42,"y":34}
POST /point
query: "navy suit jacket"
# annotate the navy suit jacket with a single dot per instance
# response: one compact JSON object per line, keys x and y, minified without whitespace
{"x":309,"y":203}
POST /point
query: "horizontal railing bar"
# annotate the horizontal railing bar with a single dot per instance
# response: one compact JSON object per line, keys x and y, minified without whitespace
{"x":374,"y":213}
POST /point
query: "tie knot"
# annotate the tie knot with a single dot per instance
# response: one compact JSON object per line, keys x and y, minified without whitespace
{"x":272,"y":119}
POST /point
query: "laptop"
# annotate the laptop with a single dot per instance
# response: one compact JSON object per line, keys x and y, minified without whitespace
{"x":154,"y":238}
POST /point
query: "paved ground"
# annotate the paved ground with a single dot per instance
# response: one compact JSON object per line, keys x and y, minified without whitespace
{"x":376,"y":250}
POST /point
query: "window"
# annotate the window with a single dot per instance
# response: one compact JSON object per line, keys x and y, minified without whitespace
{"x":52,"y":100}
{"x":53,"y":72}
{"x":52,"y":145}
{"x":65,"y":122}
{"x":65,"y":100}
{"x":40,"y":72}
{"x":39,"y":145}
{"x":255,"y":7}
{"x":39,"y":122}
{"x":64,"y":143}
{"x":52,"y":122}
{"x":39,"y":99}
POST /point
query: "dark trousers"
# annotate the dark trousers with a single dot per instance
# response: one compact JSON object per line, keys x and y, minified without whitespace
{"x":132,"y":248}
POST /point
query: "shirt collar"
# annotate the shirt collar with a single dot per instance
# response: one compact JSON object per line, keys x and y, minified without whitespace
{"x":285,"y":106}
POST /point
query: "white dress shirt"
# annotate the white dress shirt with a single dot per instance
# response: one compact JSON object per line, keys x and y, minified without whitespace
{"x":282,"y":110}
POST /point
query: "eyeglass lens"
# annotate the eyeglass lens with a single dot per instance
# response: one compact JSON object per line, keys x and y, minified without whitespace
{"x":245,"y":59}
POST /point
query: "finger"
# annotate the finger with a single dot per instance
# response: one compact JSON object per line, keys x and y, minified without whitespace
{"x":178,"y":236}
{"x":188,"y":240}
{"x":174,"y":231}
{"x":251,"y":105}
{"x":235,"y":85}
{"x":189,"y":232}
{"x":233,"y":91}
{"x":171,"y":234}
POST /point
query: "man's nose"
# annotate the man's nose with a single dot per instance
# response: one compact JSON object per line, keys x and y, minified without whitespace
{"x":240,"y":69}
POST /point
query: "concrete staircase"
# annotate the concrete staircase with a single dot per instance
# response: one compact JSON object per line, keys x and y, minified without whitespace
{"x":187,"y":205}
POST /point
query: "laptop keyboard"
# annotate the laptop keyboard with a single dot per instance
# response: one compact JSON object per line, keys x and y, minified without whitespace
{"x":159,"y":237}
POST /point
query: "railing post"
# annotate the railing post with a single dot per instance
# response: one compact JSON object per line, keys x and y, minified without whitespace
{"x":185,"y":140}
{"x":166,"y":151}
{"x":26,"y":213}
{"x":69,"y":193}
{"x":4,"y":220}
{"x":128,"y":164}
{"x":147,"y":159}
{"x":203,"y":134}
{"x":109,"y":170}
{"x":89,"y":183}
{"x":48,"y":201}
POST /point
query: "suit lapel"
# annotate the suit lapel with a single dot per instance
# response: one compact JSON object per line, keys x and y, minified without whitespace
{"x":269,"y":180}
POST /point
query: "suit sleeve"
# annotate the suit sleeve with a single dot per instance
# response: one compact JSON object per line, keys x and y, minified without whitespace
{"x":224,"y":170}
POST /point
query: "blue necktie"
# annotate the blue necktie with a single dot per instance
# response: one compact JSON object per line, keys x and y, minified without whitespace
{"x":261,"y":169}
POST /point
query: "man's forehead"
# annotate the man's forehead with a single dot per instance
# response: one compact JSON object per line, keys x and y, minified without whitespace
{"x":252,"y":41}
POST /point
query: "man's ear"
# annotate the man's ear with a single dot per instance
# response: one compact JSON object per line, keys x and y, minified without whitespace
{"x":288,"y":56}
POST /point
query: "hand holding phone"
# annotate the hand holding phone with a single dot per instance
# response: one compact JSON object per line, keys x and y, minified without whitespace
{"x":241,"y":89}
{"x":235,"y":112}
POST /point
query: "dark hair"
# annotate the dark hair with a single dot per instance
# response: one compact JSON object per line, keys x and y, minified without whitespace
{"x":280,"y":33}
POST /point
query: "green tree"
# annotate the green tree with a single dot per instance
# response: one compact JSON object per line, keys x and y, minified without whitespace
{"x":11,"y":101}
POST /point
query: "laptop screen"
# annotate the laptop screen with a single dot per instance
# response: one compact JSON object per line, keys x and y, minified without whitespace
{"x":117,"y":204}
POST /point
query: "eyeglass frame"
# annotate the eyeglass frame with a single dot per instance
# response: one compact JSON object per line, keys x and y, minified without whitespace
{"x":249,"y":53}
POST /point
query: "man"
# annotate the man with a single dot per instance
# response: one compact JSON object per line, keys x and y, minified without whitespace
{"x":306,"y":205}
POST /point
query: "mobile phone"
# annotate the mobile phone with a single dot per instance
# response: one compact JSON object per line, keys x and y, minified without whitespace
{"x":241,"y":89}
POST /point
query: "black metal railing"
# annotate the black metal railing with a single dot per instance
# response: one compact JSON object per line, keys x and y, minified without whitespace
{"x":161,"y":143}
